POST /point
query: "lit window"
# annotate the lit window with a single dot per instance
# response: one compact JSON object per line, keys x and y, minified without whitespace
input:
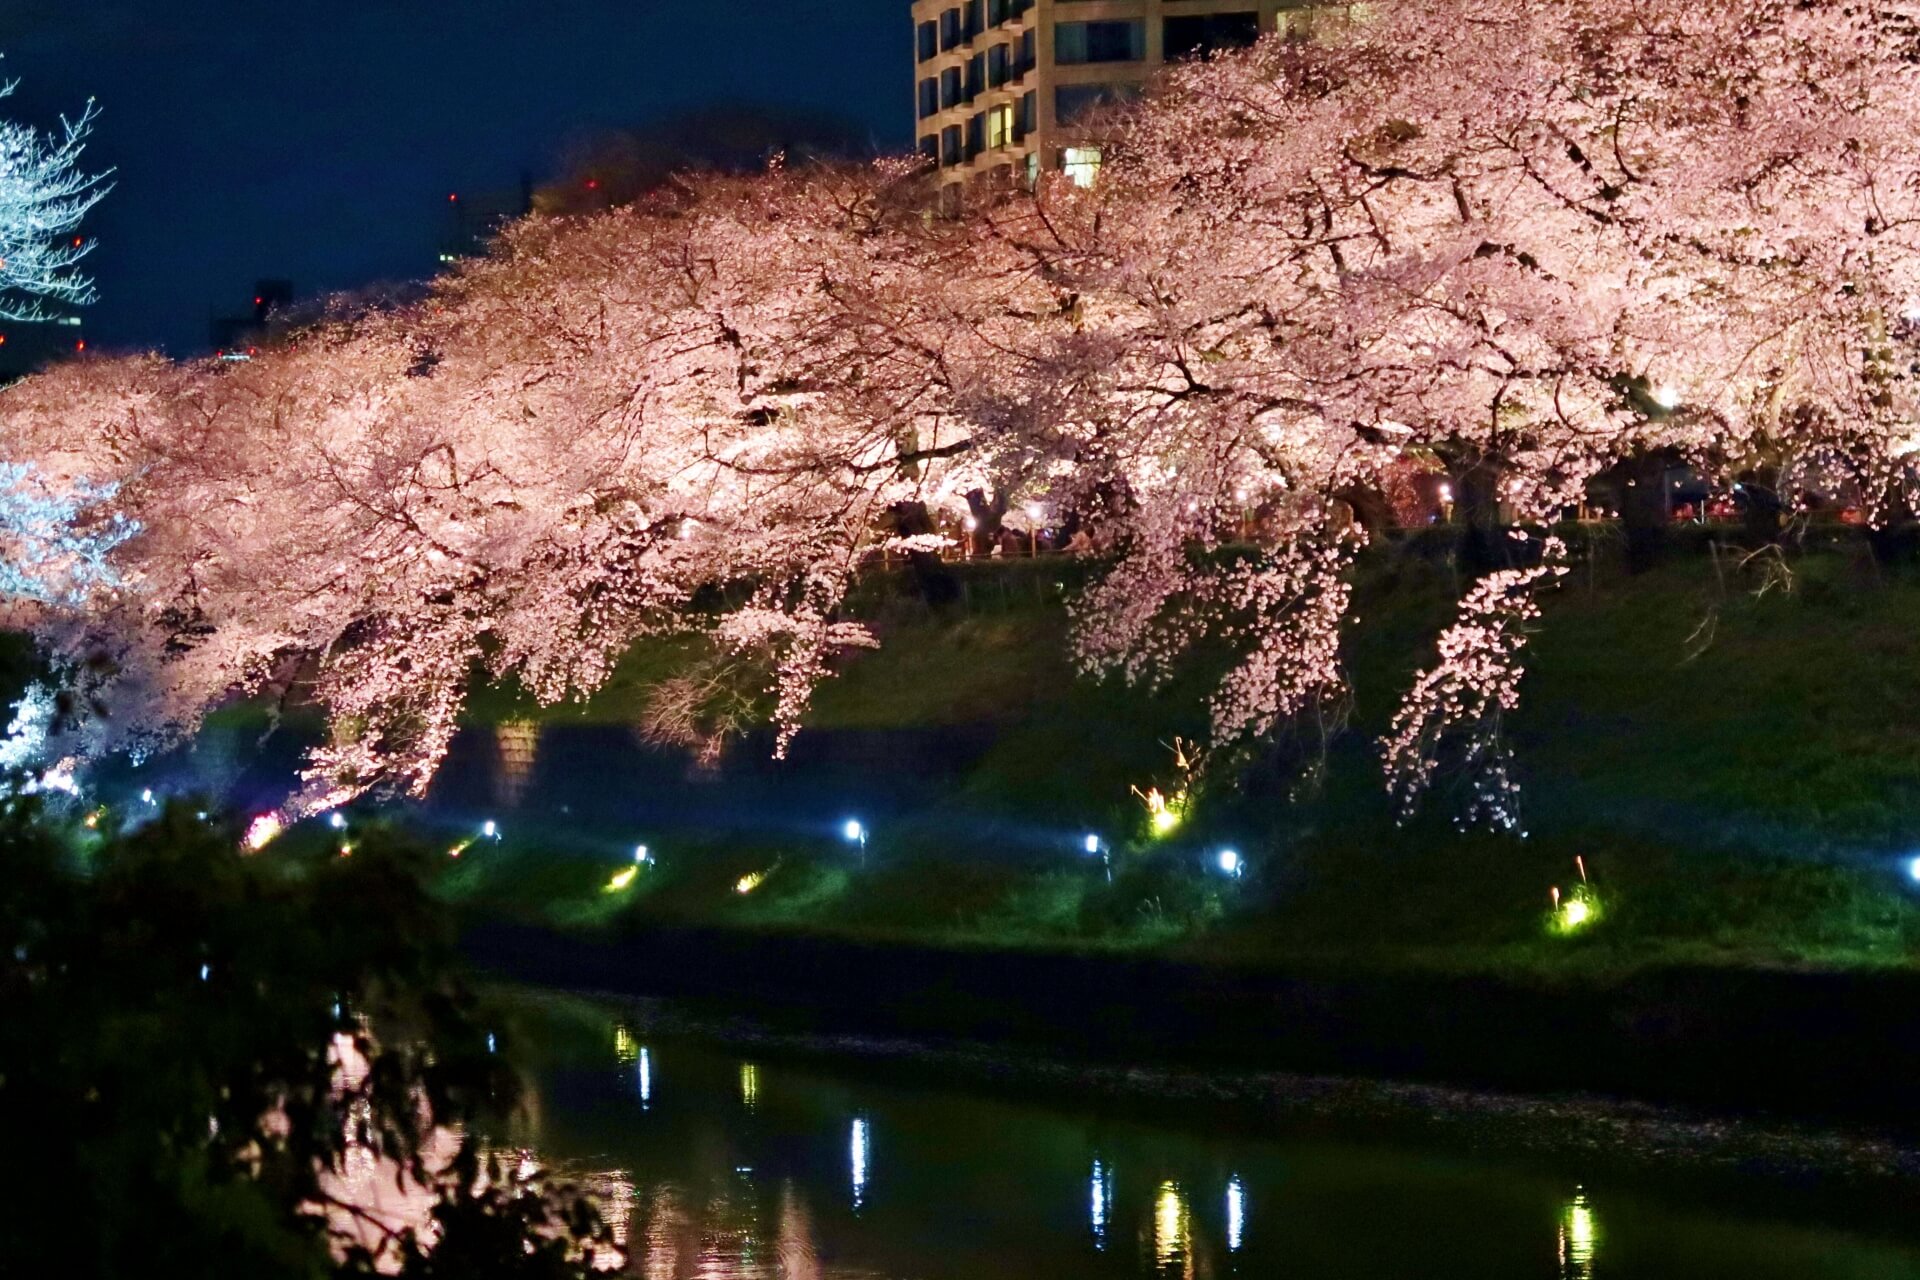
{"x":1081,"y":165}
{"x":1000,"y":126}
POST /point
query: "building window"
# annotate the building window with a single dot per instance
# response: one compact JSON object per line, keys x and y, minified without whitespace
{"x":976,"y":17}
{"x":1073,"y":101}
{"x":1026,"y":60}
{"x":976,"y":135}
{"x":998,"y":65}
{"x":1033,"y":169}
{"x":976,"y":76}
{"x":927,"y":40}
{"x":949,"y":29}
{"x":998,"y":11}
{"x":1000,"y":126}
{"x":950,"y":87}
{"x":1198,"y":35}
{"x":1081,"y":165}
{"x":950,"y":152}
{"x":930,"y":147}
{"x":1078,"y":42}
{"x":1029,"y":112}
{"x":929,"y":97}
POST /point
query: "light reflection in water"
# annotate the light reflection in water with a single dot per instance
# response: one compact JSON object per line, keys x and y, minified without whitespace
{"x":1102,"y":1206}
{"x":613,"y":1193}
{"x":857,"y":1160}
{"x":794,"y":1252}
{"x":1579,"y":1238}
{"x":1172,"y":1230}
{"x":645,"y":1074}
{"x":1236,"y":1212}
{"x":785,"y":1190}
{"x":516,"y":748}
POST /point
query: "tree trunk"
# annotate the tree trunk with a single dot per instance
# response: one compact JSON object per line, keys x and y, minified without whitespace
{"x":1644,"y":512}
{"x":987,"y":516}
{"x":1483,"y":542}
{"x":1760,"y":507}
{"x":935,"y":581}
{"x":1371,"y":510}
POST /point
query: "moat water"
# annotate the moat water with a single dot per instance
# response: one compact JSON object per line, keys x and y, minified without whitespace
{"x":730,"y":1159}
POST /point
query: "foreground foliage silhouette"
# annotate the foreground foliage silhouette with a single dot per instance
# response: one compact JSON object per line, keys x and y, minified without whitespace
{"x":190,"y":1033}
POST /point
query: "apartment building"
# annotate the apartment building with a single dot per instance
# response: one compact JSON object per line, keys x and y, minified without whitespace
{"x":1002,"y":86}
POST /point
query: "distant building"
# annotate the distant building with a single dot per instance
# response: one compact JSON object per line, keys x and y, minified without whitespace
{"x":1002,"y":86}
{"x":239,"y":337}
{"x":27,"y":346}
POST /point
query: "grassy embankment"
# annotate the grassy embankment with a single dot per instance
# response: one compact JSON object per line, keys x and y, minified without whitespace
{"x":1753,"y":804}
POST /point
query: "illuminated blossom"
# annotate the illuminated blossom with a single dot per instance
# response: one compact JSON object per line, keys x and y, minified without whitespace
{"x":44,"y":196}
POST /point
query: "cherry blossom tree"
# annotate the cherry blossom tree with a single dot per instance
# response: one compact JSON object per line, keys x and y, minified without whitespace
{"x":1529,"y":239}
{"x":691,"y":413}
{"x":1526,"y":242}
{"x":44,"y":197}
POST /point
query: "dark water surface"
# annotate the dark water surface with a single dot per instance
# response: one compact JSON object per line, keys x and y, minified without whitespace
{"x":726,"y":1158}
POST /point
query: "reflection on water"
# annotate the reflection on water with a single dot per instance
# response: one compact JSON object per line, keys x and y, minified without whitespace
{"x":1579,"y":1238}
{"x":749,"y":1084}
{"x":1236,"y":1213}
{"x":1102,"y":1197}
{"x":857,"y":1160}
{"x":755,"y":1169}
{"x":516,"y":750}
{"x":1172,"y":1231}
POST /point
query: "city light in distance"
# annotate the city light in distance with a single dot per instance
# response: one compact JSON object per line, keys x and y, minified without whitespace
{"x":337,"y":820}
{"x":1913,"y":869}
{"x":1092,"y":843}
{"x":621,"y":879}
{"x":640,"y":854}
{"x":1230,"y":862}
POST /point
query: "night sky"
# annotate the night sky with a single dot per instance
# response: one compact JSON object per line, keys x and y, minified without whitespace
{"x":317,"y":140}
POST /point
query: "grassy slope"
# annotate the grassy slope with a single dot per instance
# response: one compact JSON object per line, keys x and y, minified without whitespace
{"x":1746,"y":805}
